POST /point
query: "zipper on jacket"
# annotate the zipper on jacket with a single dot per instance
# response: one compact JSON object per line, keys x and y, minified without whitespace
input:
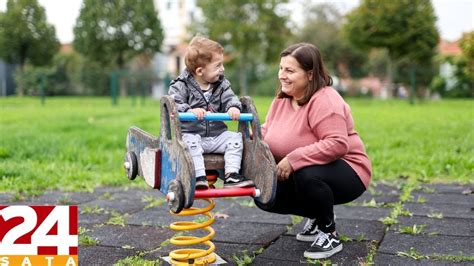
{"x":207,"y":108}
{"x":207,"y":122}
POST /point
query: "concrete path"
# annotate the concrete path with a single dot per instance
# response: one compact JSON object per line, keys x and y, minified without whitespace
{"x":429,"y":224}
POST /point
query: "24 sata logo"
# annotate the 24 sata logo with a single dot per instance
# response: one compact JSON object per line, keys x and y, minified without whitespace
{"x":38,"y":235}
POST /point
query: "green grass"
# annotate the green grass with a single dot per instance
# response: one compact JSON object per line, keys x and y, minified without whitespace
{"x":79,"y":143}
{"x":70,"y":143}
{"x":430,"y":140}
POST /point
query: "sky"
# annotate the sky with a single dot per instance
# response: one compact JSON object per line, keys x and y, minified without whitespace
{"x":454,"y":16}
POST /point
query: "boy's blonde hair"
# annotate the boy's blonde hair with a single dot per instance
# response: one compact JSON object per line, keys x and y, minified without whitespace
{"x":200,"y":51}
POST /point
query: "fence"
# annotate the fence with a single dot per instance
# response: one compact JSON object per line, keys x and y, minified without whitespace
{"x":92,"y":82}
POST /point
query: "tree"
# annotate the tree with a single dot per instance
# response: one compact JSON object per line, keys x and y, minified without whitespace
{"x":467,"y":47}
{"x":463,"y":74}
{"x":25,"y":36}
{"x":406,"y":28}
{"x":322,"y":27}
{"x":460,"y":82}
{"x":112,"y":31}
{"x":251,"y":31}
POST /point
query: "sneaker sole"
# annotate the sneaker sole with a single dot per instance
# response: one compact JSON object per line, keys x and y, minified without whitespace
{"x":322,"y":255}
{"x":248,"y":183}
{"x":201,"y":186}
{"x":304,"y":238}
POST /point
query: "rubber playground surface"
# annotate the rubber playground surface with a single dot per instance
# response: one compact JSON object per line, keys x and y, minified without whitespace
{"x":435,"y":226}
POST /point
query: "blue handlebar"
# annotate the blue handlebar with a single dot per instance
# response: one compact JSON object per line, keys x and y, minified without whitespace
{"x":247,"y":117}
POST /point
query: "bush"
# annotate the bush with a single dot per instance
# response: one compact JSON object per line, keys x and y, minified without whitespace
{"x":267,"y":83}
{"x":34,"y":79}
{"x":459,"y":84}
{"x":70,"y":74}
{"x":438,"y":84}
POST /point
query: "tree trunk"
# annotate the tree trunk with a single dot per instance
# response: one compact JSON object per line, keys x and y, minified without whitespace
{"x":413,"y":85}
{"x":390,"y":86}
{"x":122,"y":77}
{"x":243,"y":77}
{"x":20,"y":86}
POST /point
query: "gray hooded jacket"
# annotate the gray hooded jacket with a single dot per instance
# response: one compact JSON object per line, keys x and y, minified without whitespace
{"x":188,"y":95}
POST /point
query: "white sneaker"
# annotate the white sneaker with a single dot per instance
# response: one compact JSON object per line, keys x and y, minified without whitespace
{"x":325,"y":245}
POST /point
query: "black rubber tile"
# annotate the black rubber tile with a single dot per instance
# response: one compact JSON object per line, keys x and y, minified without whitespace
{"x":426,"y":244}
{"x":432,"y":226}
{"x":132,"y":237}
{"x":452,"y":210}
{"x":98,"y":255}
{"x":389,"y":259}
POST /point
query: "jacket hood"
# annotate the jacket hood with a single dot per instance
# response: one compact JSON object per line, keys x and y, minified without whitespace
{"x":187,"y":77}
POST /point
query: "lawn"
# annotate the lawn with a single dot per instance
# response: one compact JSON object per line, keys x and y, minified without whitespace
{"x":78,"y":143}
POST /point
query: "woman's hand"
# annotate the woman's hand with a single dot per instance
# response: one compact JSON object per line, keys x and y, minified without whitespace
{"x":234,"y":113}
{"x":284,"y":169}
{"x":199,"y":112}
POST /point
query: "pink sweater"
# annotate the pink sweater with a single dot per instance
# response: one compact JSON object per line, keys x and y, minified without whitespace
{"x":318,"y":133}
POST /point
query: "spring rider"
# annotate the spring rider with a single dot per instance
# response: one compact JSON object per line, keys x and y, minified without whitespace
{"x":165,"y":164}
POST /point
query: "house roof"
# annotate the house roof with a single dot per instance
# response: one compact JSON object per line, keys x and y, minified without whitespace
{"x":66,"y":48}
{"x":449,"y":48}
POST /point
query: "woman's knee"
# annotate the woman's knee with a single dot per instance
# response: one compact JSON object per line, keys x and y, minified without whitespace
{"x":311,"y":186}
{"x":304,"y":178}
{"x":309,"y":173}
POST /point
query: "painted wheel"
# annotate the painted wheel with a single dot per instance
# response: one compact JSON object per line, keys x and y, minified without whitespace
{"x":175,"y":196}
{"x":131,"y":165}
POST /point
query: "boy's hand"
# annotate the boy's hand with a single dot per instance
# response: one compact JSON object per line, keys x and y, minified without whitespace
{"x":234,"y":113}
{"x":199,"y":112}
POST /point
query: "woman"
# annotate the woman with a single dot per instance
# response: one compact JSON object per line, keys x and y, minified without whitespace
{"x":321,"y":160}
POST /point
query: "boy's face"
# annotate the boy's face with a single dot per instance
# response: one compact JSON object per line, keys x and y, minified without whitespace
{"x":211,"y":72}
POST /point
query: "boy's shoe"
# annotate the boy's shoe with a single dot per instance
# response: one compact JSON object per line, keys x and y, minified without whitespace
{"x":310,"y":231}
{"x":201,"y":183}
{"x":237,"y":180}
{"x":324,"y":246}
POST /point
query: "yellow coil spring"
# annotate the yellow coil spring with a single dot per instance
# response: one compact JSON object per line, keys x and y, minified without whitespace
{"x":194,"y":256}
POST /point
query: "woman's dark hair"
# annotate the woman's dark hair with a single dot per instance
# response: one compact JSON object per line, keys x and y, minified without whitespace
{"x":309,"y":58}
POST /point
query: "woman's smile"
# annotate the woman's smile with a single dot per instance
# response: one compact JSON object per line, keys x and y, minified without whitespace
{"x":293,"y":79}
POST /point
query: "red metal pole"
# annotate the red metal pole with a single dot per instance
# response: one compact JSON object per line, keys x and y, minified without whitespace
{"x":225,"y":192}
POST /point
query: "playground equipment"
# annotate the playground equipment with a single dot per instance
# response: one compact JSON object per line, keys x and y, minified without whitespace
{"x":165,"y":164}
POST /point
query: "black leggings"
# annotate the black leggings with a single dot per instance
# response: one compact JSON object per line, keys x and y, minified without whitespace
{"x":313,"y":191}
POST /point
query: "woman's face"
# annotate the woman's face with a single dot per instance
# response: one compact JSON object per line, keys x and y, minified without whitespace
{"x":293,"y":79}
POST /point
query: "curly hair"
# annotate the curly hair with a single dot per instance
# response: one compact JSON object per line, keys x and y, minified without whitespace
{"x":200,"y":52}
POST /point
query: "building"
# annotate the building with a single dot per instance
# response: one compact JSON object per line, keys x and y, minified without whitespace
{"x":446,"y":69}
{"x":175,"y":17}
